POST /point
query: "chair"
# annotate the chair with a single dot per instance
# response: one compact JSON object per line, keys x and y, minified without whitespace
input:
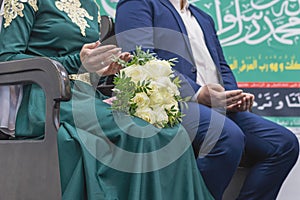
{"x":107,"y":36}
{"x":29,"y":168}
{"x":107,"y":30}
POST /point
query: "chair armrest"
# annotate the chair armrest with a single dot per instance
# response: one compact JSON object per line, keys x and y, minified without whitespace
{"x":49,"y":74}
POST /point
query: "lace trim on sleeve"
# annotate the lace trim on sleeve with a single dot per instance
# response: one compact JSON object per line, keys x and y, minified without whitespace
{"x":75,"y":12}
{"x":14,"y":8}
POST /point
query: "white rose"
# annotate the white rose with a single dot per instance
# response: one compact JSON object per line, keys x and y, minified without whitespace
{"x":172,"y":103}
{"x":141,"y":99}
{"x":165,"y":82}
{"x":158,"y":68}
{"x":158,"y":97}
{"x":136,"y":72}
{"x":160,"y":94}
{"x":146,"y":114}
{"x":161,"y":115}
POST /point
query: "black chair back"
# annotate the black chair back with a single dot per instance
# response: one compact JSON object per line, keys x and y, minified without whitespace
{"x":107,"y":30}
{"x":107,"y":36}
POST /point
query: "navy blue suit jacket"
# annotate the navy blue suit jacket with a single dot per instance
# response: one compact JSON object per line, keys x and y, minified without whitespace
{"x":156,"y":25}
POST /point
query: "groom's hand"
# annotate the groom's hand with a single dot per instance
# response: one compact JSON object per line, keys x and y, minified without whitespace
{"x":214,"y":95}
{"x":244,"y":105}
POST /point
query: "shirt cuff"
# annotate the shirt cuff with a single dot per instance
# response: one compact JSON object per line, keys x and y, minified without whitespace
{"x":194,"y":98}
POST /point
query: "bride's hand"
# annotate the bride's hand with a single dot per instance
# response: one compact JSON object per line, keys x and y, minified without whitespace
{"x":95,"y":57}
{"x":114,"y":67}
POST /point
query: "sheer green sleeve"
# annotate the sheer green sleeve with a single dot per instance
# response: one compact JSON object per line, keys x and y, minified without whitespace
{"x":15,"y":31}
{"x":19,"y":38}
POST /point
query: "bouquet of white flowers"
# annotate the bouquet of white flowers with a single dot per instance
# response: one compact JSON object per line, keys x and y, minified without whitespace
{"x":147,"y":88}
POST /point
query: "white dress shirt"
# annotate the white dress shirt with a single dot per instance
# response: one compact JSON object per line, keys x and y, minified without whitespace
{"x":206,"y":68}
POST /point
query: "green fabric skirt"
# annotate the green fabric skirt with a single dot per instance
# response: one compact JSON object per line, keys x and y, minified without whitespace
{"x":107,"y":155}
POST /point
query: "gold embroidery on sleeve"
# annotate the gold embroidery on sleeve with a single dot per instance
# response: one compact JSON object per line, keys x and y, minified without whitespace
{"x":33,"y":4}
{"x":14,"y":8}
{"x":74,"y":11}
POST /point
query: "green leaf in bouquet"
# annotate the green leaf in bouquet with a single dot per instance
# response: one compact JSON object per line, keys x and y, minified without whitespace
{"x":124,"y":90}
{"x":141,"y":57}
{"x":177,"y":81}
{"x":143,"y":86}
{"x":174,"y":117}
{"x":172,"y":61}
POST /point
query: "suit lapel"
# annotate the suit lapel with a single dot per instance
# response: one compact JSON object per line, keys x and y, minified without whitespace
{"x":180,"y":23}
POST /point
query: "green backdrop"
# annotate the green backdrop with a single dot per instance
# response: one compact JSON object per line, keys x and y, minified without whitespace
{"x":261,"y":43}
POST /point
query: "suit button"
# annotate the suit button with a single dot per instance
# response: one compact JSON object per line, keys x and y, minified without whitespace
{"x":194,"y":69}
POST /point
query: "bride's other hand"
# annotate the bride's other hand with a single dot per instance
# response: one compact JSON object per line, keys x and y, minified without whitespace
{"x":114,"y":67}
{"x":125,"y":56}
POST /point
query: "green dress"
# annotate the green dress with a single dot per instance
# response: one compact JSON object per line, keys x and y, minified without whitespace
{"x":103,"y":154}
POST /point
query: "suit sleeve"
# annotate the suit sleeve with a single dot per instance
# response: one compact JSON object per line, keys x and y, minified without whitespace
{"x":133,"y":24}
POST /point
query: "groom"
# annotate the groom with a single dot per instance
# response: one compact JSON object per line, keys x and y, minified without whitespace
{"x":174,"y":28}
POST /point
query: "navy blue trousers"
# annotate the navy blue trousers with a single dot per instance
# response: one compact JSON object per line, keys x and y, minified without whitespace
{"x":219,"y":141}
